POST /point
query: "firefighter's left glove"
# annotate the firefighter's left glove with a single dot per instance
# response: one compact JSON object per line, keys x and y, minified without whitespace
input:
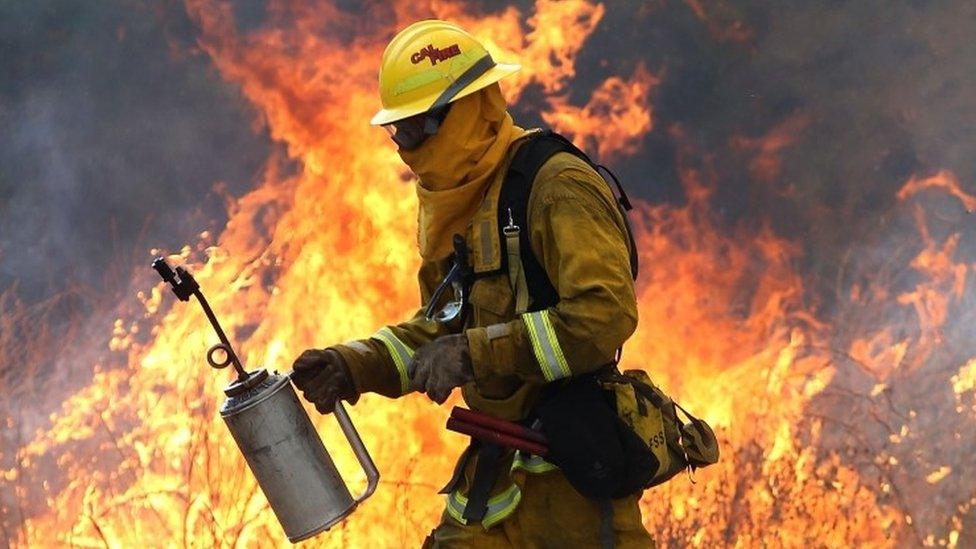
{"x":323,"y":378}
{"x":440,"y":366}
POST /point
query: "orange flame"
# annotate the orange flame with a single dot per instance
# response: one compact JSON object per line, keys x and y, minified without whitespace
{"x":325,"y":252}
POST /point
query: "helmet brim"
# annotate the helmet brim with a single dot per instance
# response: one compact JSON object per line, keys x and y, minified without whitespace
{"x":492,"y":75}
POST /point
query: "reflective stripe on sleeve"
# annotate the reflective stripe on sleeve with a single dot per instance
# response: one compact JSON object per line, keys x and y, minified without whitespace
{"x":546,"y":346}
{"x":400,"y":352}
{"x":499,"y":506}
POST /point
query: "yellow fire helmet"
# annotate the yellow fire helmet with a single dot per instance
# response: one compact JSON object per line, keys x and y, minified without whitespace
{"x":430,"y":64}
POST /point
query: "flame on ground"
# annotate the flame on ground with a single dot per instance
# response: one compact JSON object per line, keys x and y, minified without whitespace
{"x":326,"y":252}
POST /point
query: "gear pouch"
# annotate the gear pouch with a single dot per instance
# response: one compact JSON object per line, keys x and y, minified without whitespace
{"x":649,"y":413}
{"x":600,"y":455}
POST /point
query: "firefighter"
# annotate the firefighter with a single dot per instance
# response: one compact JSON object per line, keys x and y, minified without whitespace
{"x":446,"y":114}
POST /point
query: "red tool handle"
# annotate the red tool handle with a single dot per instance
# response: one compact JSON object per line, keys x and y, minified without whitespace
{"x":500,"y":425}
{"x":502,"y":439}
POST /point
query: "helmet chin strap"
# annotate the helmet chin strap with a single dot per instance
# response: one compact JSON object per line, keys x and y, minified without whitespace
{"x":433,"y":123}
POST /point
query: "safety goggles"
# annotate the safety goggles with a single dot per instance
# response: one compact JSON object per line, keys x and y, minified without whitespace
{"x":410,"y":133}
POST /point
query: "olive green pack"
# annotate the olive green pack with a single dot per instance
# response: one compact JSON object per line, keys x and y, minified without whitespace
{"x":650,"y":413}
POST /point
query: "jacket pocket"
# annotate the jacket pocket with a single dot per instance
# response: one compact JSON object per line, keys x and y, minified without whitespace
{"x":491,"y":301}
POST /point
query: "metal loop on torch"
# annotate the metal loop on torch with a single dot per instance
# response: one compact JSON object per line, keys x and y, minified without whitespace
{"x":227,"y":356}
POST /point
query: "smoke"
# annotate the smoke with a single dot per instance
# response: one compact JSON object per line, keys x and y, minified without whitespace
{"x":810,"y":116}
{"x":872,"y":94}
{"x":114,"y":136}
{"x":884,"y":87}
{"x":115,"y":132}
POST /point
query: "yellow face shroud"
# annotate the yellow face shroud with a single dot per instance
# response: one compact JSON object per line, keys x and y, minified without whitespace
{"x":456,"y":166}
{"x":426,"y":66}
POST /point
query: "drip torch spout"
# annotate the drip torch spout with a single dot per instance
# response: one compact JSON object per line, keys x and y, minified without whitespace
{"x":184,"y":286}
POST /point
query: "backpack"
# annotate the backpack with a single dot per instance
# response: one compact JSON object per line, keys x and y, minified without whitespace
{"x":612,"y":434}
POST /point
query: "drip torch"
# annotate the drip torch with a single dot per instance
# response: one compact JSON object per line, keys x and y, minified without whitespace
{"x":276,"y":436}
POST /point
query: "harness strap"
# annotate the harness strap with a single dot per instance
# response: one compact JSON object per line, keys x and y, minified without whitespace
{"x":513,"y":203}
{"x":485,"y":474}
{"x":516,"y":271}
{"x":458,"y":475}
{"x":606,"y":524}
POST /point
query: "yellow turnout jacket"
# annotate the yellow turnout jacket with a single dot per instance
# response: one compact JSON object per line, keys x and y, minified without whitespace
{"x":579,"y":237}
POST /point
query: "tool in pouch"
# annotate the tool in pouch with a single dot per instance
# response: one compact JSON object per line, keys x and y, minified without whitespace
{"x":492,"y":430}
{"x":276,"y":436}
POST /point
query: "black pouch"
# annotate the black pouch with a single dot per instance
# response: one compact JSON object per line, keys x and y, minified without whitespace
{"x":598,"y":453}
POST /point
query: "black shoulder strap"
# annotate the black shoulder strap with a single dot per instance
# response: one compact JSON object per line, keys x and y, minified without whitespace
{"x":513,"y":206}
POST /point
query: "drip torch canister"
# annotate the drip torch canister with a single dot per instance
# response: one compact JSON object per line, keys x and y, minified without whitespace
{"x":276,"y":436}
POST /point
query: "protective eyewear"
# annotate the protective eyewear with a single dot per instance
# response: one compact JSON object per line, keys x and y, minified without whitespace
{"x":410,"y":133}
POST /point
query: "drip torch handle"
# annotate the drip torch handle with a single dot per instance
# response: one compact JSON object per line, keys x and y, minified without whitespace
{"x":181,"y":281}
{"x":184,"y":286}
{"x":224,"y":342}
{"x":358,"y":448}
{"x":164,"y":270}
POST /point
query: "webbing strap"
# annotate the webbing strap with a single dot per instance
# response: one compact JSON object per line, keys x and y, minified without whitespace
{"x":400,"y":353}
{"x":514,"y":198}
{"x":513,"y":202}
{"x":606,"y":524}
{"x":516,"y":273}
{"x":485,"y":474}
{"x":478,"y":506}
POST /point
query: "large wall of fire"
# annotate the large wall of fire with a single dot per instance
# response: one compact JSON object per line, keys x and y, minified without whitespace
{"x":805,"y":198}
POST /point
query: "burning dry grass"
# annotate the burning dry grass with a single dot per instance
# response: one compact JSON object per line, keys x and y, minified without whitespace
{"x":32,"y":337}
{"x":806,"y":456}
{"x":841,"y":426}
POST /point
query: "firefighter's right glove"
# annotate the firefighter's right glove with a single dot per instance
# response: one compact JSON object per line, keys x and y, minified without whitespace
{"x":440,"y":366}
{"x":323,"y":378}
